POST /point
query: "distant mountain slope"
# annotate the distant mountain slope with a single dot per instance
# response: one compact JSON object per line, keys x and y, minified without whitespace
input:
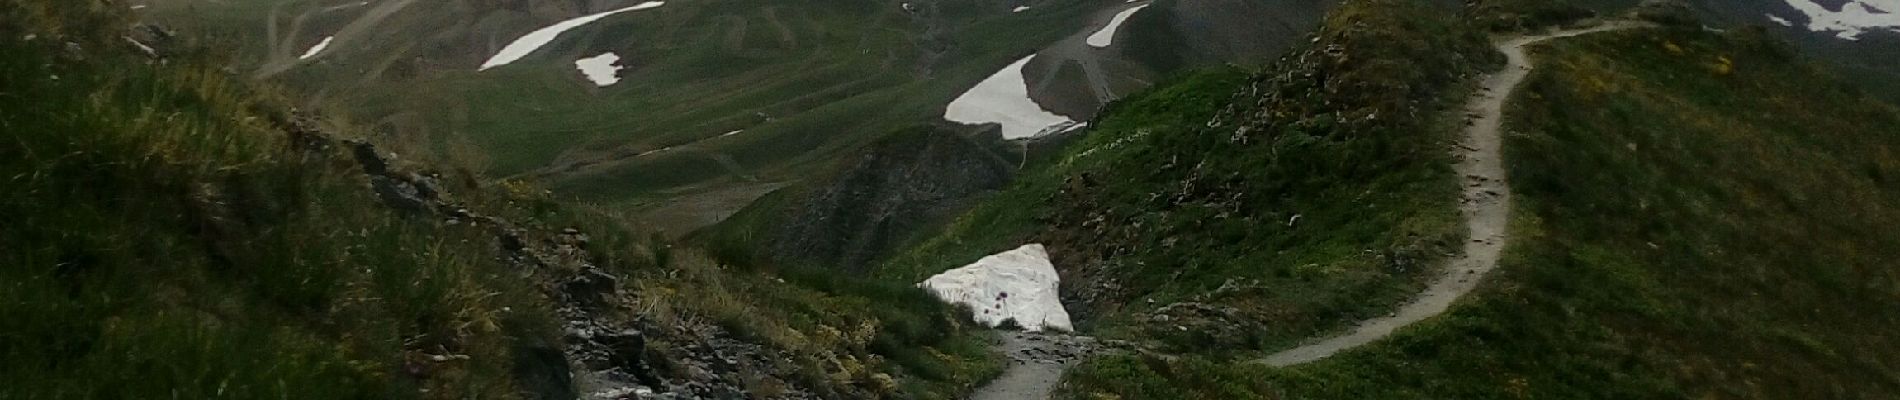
{"x":1860,"y":37}
{"x":1855,"y":38}
{"x":718,"y":97}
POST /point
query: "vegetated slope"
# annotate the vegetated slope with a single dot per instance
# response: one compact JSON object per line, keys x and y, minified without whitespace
{"x":850,"y":218}
{"x":163,"y":240}
{"x":1701,"y":215}
{"x":721,"y":100}
{"x":1857,"y":53}
{"x":1505,"y":16}
{"x":174,"y":232}
{"x":1226,"y":214}
{"x":799,"y":78}
{"x":1866,"y":59}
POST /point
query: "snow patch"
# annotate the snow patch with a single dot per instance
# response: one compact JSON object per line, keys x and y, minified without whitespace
{"x":343,"y":7}
{"x":1855,"y":17}
{"x":654,"y":151}
{"x":534,"y":40}
{"x":318,"y":48}
{"x":1018,"y":284}
{"x":1004,"y":99}
{"x":1779,"y":20}
{"x":601,"y":69}
{"x":1106,"y":36}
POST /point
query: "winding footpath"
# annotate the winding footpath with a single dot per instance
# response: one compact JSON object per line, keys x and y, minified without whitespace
{"x":1035,"y":365}
{"x":1486,"y":204}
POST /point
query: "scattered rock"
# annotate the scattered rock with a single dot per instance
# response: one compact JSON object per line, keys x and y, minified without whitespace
{"x":366,"y":156}
{"x":397,"y":194}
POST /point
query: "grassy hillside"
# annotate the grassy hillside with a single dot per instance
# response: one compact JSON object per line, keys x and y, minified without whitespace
{"x":852,"y":217}
{"x":804,"y":79}
{"x":163,"y":240}
{"x":1523,"y":15}
{"x":1701,"y":216}
{"x":1230,"y":214}
{"x":170,"y":234}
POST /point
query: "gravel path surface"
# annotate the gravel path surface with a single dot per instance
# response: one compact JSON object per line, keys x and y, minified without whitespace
{"x":1036,"y":362}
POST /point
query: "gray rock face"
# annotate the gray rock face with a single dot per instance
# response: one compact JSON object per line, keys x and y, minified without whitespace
{"x":893,"y":188}
{"x":397,"y":194}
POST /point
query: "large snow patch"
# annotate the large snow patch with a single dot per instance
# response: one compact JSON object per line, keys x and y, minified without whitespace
{"x":602,"y":69}
{"x":314,"y":50}
{"x":1106,"y":36}
{"x":1018,"y":284}
{"x":1854,"y":18}
{"x":1004,"y":99}
{"x":534,"y":40}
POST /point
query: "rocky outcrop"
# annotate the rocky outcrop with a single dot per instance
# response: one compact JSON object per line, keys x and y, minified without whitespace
{"x":603,"y":349}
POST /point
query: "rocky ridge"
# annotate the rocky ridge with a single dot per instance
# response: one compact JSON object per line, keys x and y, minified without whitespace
{"x":606,"y":353}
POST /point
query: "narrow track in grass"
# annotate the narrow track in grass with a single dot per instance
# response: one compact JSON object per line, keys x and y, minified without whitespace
{"x":1486,"y":205}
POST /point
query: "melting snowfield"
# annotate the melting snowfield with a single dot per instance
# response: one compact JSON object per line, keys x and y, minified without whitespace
{"x":1018,"y":284}
{"x":318,"y":48}
{"x":601,"y":69}
{"x":1779,"y":20}
{"x":1854,"y":18}
{"x":1004,"y":99}
{"x":1106,"y":36}
{"x":534,"y":40}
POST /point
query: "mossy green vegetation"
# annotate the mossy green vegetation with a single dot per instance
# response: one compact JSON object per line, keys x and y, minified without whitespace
{"x":162,"y":239}
{"x":851,"y":337}
{"x":1007,"y":218}
{"x":1315,"y":193}
{"x":1700,"y":215}
{"x":1527,"y":15}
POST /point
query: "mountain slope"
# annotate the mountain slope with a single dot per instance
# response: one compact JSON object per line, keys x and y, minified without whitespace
{"x":1702,"y":216}
{"x":163,"y":238}
{"x":1860,"y":46}
{"x":720,"y":100}
{"x":1234,"y":215}
{"x":175,"y":231}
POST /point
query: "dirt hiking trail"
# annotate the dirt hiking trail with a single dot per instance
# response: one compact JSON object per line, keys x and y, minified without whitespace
{"x":1486,"y":204}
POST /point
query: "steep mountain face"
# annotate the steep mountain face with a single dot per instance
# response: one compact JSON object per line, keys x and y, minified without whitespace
{"x":858,"y":215}
{"x":713,"y":98}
